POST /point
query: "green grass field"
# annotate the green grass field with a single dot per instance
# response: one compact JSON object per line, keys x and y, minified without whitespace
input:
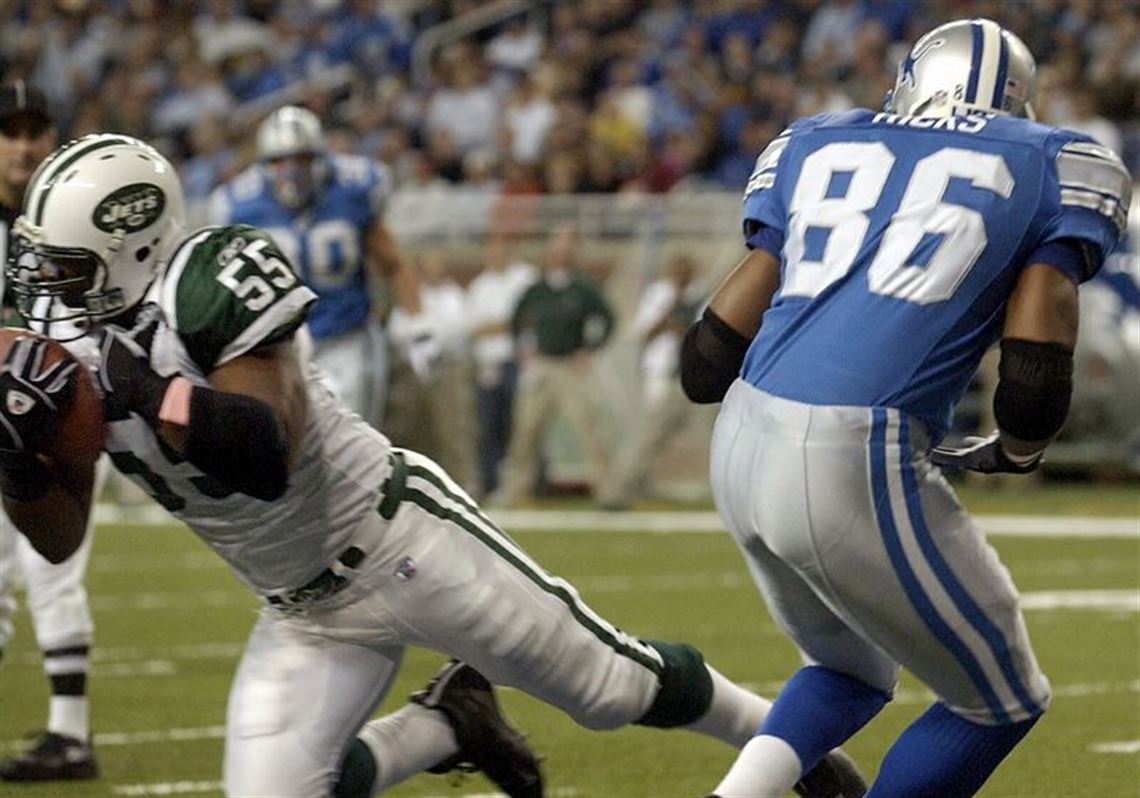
{"x":171,"y":622}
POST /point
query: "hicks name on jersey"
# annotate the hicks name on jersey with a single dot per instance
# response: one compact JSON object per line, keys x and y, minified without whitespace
{"x":970,"y":123}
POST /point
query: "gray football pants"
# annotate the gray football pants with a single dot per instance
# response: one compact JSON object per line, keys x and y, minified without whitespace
{"x":864,"y":555}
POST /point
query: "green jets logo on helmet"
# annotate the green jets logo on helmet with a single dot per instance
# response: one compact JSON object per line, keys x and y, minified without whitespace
{"x":132,"y":207}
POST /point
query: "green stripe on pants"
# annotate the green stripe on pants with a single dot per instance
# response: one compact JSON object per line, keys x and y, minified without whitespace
{"x":503,"y":550}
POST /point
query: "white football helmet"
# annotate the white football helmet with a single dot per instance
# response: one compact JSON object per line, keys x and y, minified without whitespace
{"x":291,"y":145}
{"x":963,"y":66}
{"x":102,"y":216}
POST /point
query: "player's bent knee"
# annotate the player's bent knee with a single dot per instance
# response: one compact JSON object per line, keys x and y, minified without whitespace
{"x":686,"y":687}
{"x":1031,"y":703}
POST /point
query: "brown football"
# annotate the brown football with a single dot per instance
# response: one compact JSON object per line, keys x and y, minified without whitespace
{"x":79,"y":439}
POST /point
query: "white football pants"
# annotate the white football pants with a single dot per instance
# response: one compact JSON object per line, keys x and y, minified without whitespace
{"x":55,"y":594}
{"x":439,"y":575}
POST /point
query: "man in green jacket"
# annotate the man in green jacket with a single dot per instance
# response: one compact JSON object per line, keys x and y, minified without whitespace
{"x":558,"y":323}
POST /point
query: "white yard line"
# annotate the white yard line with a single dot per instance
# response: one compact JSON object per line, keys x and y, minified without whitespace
{"x":923,"y":696}
{"x":902,"y":697}
{"x":196,"y":787}
{"x":1061,"y":526}
{"x":1122,"y":747}
{"x":116,"y":656}
{"x":167,"y":788}
{"x":1107,"y":601}
{"x":161,"y":736}
{"x":1125,"y":600}
{"x":162,"y":600}
{"x":1103,"y":600}
{"x":102,"y":739}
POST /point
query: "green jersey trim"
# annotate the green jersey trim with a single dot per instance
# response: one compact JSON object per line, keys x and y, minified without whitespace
{"x":475,"y":522}
{"x":169,"y":297}
{"x":275,"y":324}
{"x":229,"y":290}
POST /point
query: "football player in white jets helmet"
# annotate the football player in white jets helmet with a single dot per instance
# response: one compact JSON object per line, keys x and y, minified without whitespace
{"x":356,"y":548}
{"x":81,"y":253}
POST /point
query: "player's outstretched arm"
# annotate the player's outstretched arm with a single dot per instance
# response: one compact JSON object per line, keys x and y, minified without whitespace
{"x":1035,"y":373}
{"x":388,"y":264}
{"x":244,"y":429}
{"x":48,"y":501}
{"x":55,"y":522}
{"x":1035,"y":377}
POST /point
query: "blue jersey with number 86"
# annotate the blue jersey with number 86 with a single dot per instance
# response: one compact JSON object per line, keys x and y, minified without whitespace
{"x":900,"y":240}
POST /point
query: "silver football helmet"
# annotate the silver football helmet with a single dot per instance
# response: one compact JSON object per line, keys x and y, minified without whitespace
{"x":291,"y":147}
{"x":963,"y":66}
{"x":102,"y":216}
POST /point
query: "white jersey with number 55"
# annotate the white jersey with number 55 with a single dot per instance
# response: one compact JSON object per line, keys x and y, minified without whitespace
{"x":227,"y":291}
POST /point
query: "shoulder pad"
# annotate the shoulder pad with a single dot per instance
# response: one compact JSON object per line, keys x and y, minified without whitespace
{"x":353,"y":170}
{"x":229,"y":289}
{"x":1092,"y":176}
{"x":764,"y":172}
{"x":247,"y":185}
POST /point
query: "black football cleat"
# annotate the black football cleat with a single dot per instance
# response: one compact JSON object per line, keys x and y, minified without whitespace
{"x":834,"y":777}
{"x":53,"y":757}
{"x":487,"y":742}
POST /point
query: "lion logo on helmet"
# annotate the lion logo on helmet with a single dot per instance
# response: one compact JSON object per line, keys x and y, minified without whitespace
{"x":914,"y":56}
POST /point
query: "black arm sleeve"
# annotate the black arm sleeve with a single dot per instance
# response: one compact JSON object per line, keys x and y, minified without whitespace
{"x":711,"y":355}
{"x":1035,"y":384}
{"x":238,"y":440}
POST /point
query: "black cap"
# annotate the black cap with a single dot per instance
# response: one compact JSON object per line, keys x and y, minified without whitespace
{"x":21,"y":100}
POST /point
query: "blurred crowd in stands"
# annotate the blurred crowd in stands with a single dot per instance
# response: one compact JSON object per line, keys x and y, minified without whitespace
{"x":552,"y":97}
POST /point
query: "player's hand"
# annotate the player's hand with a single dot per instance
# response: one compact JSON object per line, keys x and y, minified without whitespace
{"x":129,"y":383}
{"x":983,"y":455}
{"x":424,"y":354}
{"x":417,"y":339}
{"x":32,"y":396}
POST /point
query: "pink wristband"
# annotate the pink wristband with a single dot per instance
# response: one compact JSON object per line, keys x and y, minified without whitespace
{"x":175,"y":407}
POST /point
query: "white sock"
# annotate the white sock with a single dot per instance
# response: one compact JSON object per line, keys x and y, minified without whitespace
{"x":766,"y":768}
{"x":734,"y":715}
{"x":67,"y":715}
{"x":409,"y":741}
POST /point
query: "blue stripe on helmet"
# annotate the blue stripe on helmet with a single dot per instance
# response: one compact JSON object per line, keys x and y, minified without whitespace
{"x":975,"y":62}
{"x":1002,"y":72}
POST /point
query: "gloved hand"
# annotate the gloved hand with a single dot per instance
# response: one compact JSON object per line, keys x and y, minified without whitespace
{"x":416,"y":338}
{"x":32,"y":396}
{"x":129,"y":383}
{"x":983,"y":455}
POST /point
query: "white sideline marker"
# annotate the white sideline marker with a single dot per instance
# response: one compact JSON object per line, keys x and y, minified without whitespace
{"x":1123,"y":747}
{"x":167,"y":788}
{"x":1049,"y":526}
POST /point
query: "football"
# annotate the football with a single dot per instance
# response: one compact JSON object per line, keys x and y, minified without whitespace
{"x":79,"y":439}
